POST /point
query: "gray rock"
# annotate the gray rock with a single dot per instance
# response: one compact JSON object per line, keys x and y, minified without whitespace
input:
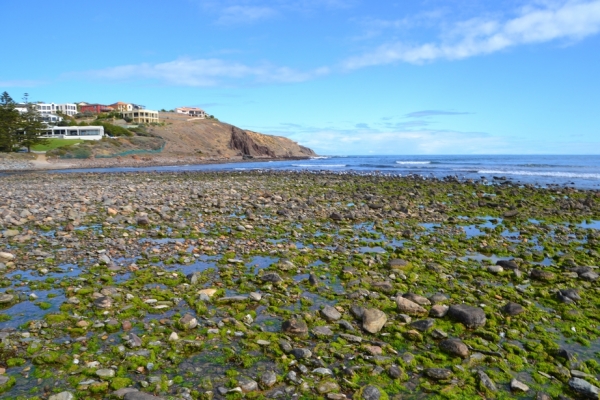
{"x":409,"y":307}
{"x":323,"y":372}
{"x":439,"y":311}
{"x":370,"y":392}
{"x":268,"y":379}
{"x":140,"y":396}
{"x":584,"y":388}
{"x":271,"y":277}
{"x":471,"y":317}
{"x":568,"y":295}
{"x":327,"y":386}
{"x":6,"y":298}
{"x":247,"y":384}
{"x":373,"y":320}
{"x":301,"y":353}
{"x":395,"y":371}
{"x":540,"y":275}
{"x":351,"y":338}
{"x":103,"y":302}
{"x":396,"y":263}
{"x":415,"y":298}
{"x":438,"y":298}
{"x":422,"y":325}
{"x":295,"y":326}
{"x":508,"y":264}
{"x":330,"y":313}
{"x":286,"y":347}
{"x":357,"y":311}
{"x":322,"y":331}
{"x":486,"y":382}
{"x":134,"y":340}
{"x":438,"y":373}
{"x":122,"y":392}
{"x":188,"y":322}
{"x":105,"y":373}
{"x":346,"y":325}
{"x":455,"y":347}
{"x":3,"y":380}
{"x":62,"y":396}
{"x":518,"y":386}
{"x":513,"y":309}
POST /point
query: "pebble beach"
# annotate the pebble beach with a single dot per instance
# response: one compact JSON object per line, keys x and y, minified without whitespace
{"x":266,"y":284}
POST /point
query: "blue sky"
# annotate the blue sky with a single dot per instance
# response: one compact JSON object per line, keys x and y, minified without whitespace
{"x":339,"y":76}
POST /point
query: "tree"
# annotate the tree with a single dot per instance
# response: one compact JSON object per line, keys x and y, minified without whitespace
{"x":32,"y":127}
{"x":10,"y":119}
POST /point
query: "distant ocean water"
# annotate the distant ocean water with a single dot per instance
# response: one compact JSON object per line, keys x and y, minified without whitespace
{"x":579,"y":171}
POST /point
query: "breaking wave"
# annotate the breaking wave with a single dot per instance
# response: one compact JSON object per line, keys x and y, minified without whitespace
{"x":541,"y":173}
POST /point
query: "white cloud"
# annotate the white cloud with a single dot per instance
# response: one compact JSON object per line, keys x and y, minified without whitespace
{"x":206,"y":72}
{"x":245,"y":14}
{"x":567,"y":20}
{"x":20,"y":83}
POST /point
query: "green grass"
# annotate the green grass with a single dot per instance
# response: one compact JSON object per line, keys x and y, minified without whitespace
{"x":55,"y":143}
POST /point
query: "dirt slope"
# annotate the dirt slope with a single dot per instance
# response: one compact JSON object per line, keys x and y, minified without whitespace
{"x":211,"y":138}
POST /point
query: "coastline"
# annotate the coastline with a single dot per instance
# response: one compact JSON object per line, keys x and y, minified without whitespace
{"x":42,"y":164}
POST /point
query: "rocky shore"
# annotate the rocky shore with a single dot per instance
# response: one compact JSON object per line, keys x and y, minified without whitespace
{"x":296,"y":285}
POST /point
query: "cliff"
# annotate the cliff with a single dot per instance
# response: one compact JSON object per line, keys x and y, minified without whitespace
{"x":210,"y":138}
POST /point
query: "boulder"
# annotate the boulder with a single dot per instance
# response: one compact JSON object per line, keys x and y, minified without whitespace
{"x":469,"y":316}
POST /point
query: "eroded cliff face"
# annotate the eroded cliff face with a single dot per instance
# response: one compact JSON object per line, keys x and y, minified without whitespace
{"x":212,"y":138}
{"x":242,"y":142}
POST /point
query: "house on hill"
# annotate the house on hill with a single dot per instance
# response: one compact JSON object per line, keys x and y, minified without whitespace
{"x":191,"y":111}
{"x":95,"y":108}
{"x":122,"y":107}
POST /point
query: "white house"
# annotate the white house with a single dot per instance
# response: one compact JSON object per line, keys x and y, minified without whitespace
{"x":75,"y":132}
{"x":191,"y":111}
{"x":51,"y":108}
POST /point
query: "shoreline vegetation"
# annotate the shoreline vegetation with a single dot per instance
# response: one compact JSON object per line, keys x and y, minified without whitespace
{"x":296,"y":285}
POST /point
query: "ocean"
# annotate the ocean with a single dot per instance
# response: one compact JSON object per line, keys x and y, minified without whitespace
{"x":578,"y":171}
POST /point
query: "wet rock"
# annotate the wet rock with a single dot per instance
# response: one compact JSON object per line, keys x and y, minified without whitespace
{"x":140,"y":396}
{"x":395,"y":371}
{"x":336,"y":216}
{"x":373,"y":320}
{"x":103,"y":302}
{"x":423,"y":325}
{"x":584,"y":388}
{"x":513,"y":309}
{"x":438,"y":373}
{"x":323,"y":372}
{"x":409,"y":307}
{"x":455,"y":347}
{"x":345,"y":325}
{"x":188,"y":322}
{"x":295,"y":326}
{"x":396,"y":263}
{"x":369,"y":392}
{"x":469,"y":316}
{"x":271,"y":277}
{"x":486,"y":382}
{"x":330,"y":313}
{"x":357,"y":311}
{"x":517,"y":386}
{"x":351,"y":338}
{"x":6,"y":298}
{"x":540,"y":275}
{"x":313,"y":280}
{"x":568,"y":295}
{"x":301,"y":353}
{"x":590,"y":276}
{"x":143,"y":220}
{"x":507,"y":264}
{"x":268,"y":379}
{"x":134,"y":340}
{"x":62,"y":396}
{"x":322,"y":331}
{"x":439,"y":311}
